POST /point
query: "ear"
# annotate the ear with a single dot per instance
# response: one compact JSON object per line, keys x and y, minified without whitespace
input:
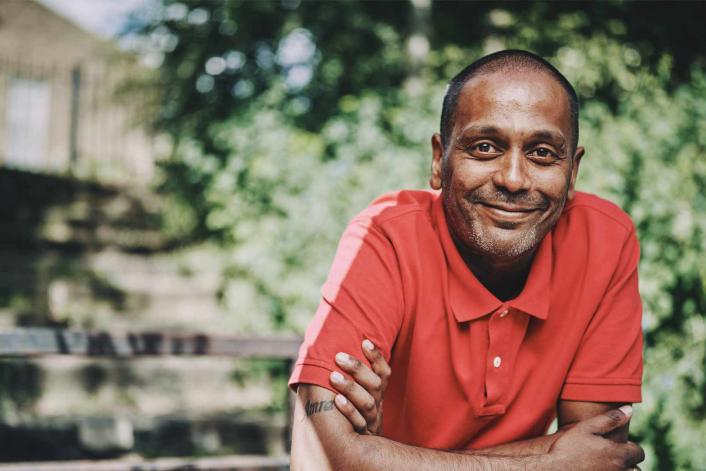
{"x":580,"y":151}
{"x":437,"y":155}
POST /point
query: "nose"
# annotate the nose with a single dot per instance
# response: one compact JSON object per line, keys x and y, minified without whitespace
{"x":512,"y":172}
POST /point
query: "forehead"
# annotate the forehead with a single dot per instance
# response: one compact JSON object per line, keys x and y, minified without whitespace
{"x":519,"y":101}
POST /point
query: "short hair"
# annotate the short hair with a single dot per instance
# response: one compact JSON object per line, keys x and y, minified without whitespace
{"x":509,"y":59}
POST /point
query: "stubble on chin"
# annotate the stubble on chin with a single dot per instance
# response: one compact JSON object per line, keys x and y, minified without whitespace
{"x":490,"y":241}
{"x":503,"y":248}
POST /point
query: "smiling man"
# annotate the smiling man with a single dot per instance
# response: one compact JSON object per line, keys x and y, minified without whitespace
{"x":496,"y":302}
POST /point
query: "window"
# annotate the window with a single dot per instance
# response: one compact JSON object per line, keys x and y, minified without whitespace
{"x":27,"y":122}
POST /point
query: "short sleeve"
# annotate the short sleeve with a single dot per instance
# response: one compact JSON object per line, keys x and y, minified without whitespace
{"x":361,"y":298}
{"x":608,"y":364}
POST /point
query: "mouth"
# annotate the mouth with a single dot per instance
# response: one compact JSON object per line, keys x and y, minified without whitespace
{"x":509,"y":212}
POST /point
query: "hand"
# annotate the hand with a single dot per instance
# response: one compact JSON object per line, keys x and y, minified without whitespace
{"x":584,"y":446}
{"x":360,"y":400}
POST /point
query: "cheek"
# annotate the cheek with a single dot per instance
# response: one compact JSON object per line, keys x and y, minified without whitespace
{"x":552,"y":182}
{"x":467,"y":174}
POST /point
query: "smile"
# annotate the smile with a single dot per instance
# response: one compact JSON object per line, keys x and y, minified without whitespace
{"x":505,"y":212}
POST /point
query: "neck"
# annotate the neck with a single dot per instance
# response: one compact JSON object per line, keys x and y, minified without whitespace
{"x":505,"y":278}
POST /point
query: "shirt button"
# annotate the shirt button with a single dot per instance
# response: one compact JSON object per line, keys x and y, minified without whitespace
{"x":497,"y":361}
{"x":504,"y":313}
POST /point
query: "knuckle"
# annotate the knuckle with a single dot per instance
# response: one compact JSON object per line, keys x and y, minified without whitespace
{"x":614,"y":415}
{"x":349,"y":410}
{"x":386,"y":371}
{"x":359,"y":424}
{"x":627,"y":458}
{"x":636,"y":453}
{"x":369,"y":406}
{"x":376,"y":361}
{"x":376,"y":382}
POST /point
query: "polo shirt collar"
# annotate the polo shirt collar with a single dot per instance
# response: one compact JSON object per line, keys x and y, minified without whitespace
{"x":471,"y":300}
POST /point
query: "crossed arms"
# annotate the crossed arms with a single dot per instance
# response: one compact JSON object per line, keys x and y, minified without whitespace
{"x":328,"y":435}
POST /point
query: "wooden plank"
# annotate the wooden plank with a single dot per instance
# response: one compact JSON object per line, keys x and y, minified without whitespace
{"x":236,"y":463}
{"x":46,"y":341}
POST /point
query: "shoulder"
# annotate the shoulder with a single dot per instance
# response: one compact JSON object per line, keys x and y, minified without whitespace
{"x":595,"y":229}
{"x":591,"y":211}
{"x":398,"y":208}
{"x":393,"y":223}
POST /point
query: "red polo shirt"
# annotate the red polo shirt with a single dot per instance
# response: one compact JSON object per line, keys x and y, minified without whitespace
{"x":468,"y":370}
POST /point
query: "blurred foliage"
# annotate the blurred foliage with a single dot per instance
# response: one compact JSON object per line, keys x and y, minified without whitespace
{"x":272,"y":370}
{"x":21,"y":384}
{"x":289,"y":117}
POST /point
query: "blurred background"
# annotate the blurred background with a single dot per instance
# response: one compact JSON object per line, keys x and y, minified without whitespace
{"x":188,"y":166}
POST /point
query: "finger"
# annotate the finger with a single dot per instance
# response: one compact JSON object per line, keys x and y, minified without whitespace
{"x":610,"y":420}
{"x":350,"y":413}
{"x":634,"y":454}
{"x":357,"y":396}
{"x":377,"y":362}
{"x":362,"y":375}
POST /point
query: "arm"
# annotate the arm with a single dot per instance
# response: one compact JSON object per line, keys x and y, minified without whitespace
{"x":360,"y":402}
{"x":365,"y":395}
{"x":323,"y":439}
{"x":367,"y":389}
{"x":569,"y":413}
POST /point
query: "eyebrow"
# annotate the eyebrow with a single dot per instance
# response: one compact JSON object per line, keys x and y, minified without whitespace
{"x":479,"y":129}
{"x":547,"y":135}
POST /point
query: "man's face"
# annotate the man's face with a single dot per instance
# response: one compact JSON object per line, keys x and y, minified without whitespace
{"x":509,"y":166}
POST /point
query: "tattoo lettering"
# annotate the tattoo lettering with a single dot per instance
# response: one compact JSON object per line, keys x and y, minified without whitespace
{"x":312,"y":408}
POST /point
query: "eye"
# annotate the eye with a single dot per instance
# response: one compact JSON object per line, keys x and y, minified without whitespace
{"x":543,"y":155}
{"x":484,"y":149}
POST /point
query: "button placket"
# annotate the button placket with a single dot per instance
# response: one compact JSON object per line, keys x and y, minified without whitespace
{"x":493,"y":374}
{"x":498,"y":370}
{"x":505,"y":335}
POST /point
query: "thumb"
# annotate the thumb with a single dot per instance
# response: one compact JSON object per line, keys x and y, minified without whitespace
{"x":610,"y":420}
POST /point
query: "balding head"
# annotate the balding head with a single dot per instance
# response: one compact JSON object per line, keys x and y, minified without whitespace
{"x":510,"y":60}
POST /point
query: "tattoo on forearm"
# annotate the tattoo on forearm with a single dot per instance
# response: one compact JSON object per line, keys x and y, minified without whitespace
{"x":312,"y":408}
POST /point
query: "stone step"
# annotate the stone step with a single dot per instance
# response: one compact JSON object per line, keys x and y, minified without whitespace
{"x":42,"y":209}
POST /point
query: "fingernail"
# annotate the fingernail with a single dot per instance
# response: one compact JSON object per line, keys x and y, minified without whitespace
{"x":342,"y":357}
{"x":368,"y":345}
{"x":336,"y":377}
{"x":627,"y":410}
{"x":342,"y":401}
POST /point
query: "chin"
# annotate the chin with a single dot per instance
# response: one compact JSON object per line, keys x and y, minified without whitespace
{"x":504,"y":244}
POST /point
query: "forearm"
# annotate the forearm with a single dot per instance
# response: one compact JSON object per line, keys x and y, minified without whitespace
{"x":572,"y":412}
{"x":376,"y":453}
{"x":323,"y":439}
{"x":531,"y":447}
{"x":368,"y":453}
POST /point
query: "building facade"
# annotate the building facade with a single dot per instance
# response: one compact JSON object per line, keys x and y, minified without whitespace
{"x":67,"y":103}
